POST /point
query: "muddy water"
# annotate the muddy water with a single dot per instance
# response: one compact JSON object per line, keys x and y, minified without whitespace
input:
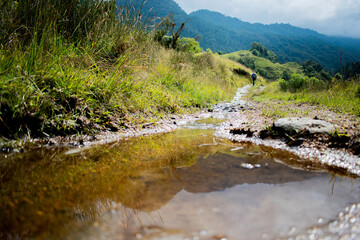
{"x":183,"y":185}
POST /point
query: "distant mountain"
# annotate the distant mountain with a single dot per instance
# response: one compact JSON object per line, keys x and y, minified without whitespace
{"x":155,"y":8}
{"x":222,"y":33}
{"x":236,"y":25}
{"x":288,"y":42}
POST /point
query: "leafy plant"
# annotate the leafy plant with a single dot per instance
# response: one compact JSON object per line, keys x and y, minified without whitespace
{"x":299,"y":82}
{"x":283,"y":85}
{"x":314,"y":69}
{"x":260,"y":50}
{"x":350,"y":70}
{"x":166,"y":34}
{"x":189,"y":45}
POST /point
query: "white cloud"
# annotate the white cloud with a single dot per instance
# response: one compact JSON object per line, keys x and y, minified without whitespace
{"x":333,"y":17}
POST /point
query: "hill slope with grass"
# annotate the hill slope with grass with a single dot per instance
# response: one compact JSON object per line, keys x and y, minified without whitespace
{"x":63,"y":73}
{"x":264,"y":67}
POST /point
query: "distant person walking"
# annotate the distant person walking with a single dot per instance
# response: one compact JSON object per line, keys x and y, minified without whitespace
{"x":253,"y":77}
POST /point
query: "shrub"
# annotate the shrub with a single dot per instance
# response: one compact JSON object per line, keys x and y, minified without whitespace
{"x":189,"y":45}
{"x":357,"y":94}
{"x":299,"y":82}
{"x":241,"y":72}
{"x":283,"y":85}
{"x":338,"y":77}
{"x":286,"y":75}
{"x":316,"y":84}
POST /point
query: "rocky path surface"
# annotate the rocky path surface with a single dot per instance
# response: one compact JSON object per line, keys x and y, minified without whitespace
{"x":249,"y":119}
{"x":244,"y":121}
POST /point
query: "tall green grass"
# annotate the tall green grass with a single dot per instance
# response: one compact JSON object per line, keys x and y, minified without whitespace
{"x":75,"y":66}
{"x":339,"y":96}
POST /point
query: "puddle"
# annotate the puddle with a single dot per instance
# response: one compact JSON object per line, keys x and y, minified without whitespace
{"x":220,"y":198}
{"x":206,"y":123}
{"x":183,"y":185}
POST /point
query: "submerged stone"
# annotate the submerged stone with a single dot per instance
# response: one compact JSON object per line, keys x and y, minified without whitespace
{"x":295,"y":124}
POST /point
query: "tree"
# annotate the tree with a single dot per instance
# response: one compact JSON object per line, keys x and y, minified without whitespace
{"x":350,"y":70}
{"x":166,"y":34}
{"x":286,"y":76}
{"x":189,"y":45}
{"x":260,"y":50}
{"x":314,"y":69}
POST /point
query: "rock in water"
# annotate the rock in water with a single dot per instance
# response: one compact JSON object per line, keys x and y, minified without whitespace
{"x":295,"y":124}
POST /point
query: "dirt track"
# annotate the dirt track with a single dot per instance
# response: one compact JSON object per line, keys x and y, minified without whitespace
{"x":262,"y":114}
{"x":257,"y":116}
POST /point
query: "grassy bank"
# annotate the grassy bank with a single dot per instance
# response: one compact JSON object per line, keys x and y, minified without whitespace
{"x":78,"y":68}
{"x":340,"y":96}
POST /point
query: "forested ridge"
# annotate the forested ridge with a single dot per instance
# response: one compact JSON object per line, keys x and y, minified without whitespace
{"x":226,"y":34}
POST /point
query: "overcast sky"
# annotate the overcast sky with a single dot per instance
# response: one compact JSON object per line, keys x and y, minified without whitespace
{"x":330,"y":17}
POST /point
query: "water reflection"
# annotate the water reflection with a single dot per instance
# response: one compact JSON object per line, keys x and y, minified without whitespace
{"x":216,"y":172}
{"x":173,"y":184}
{"x":248,"y":211}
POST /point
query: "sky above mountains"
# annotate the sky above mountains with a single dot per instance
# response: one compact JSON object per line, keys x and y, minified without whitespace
{"x":330,"y":17}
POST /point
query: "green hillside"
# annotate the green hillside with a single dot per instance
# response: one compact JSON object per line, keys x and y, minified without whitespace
{"x":264,"y":67}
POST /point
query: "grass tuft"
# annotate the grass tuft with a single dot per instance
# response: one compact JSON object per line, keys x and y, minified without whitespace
{"x":339,"y":96}
{"x":77,"y":67}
